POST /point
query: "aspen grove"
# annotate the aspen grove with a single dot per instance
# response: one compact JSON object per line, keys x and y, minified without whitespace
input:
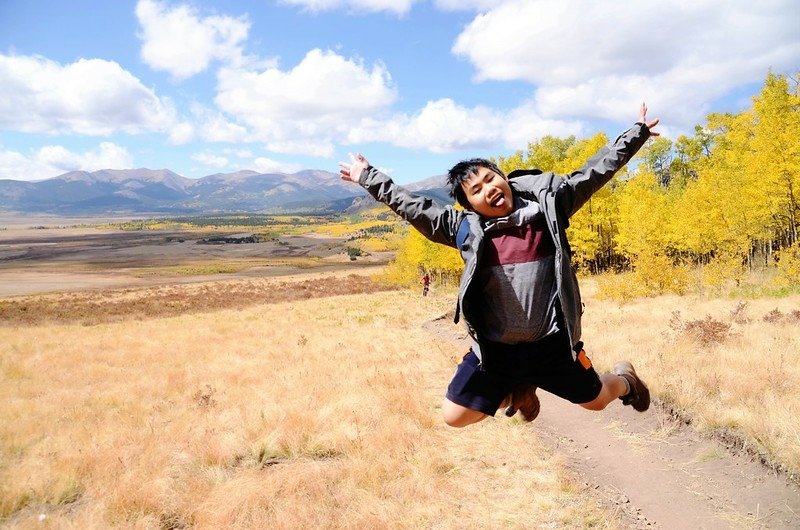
{"x":702,"y":211}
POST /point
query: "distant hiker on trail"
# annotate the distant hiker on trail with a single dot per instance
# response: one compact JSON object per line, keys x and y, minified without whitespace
{"x":426,"y":283}
{"x":518,"y":294}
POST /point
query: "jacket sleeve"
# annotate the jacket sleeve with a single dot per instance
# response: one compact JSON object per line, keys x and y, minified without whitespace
{"x":436,"y":222}
{"x":579,"y":186}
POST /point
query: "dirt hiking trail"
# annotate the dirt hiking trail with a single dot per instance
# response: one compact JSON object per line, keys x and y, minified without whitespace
{"x":662,"y":474}
{"x":654,"y":470}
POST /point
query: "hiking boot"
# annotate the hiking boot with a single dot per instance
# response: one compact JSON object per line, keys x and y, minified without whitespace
{"x":639,"y":396}
{"x":524,"y":400}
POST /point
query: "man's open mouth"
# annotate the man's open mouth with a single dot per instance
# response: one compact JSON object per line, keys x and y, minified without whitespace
{"x":497,"y":201}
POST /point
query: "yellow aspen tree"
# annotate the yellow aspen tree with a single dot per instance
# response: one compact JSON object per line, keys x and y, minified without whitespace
{"x":723,"y":211}
{"x":545,"y":154}
{"x":642,"y":206}
{"x":508,"y":164}
{"x":592,"y":230}
{"x":417,"y":255}
{"x":690,"y":153}
{"x":549,"y":152}
{"x":644,"y":211}
{"x":775,"y":157}
{"x":405,"y":268}
{"x":656,"y":154}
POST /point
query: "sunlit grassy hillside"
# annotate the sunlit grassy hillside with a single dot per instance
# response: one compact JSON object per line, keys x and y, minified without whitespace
{"x":301,"y":414}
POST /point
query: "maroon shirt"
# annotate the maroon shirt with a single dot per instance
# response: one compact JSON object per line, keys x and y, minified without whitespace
{"x":517,"y":277}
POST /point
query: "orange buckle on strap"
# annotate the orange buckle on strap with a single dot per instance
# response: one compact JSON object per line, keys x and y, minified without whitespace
{"x":584,"y":360}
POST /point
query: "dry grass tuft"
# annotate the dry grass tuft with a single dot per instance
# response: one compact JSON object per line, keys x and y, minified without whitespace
{"x":739,"y":313}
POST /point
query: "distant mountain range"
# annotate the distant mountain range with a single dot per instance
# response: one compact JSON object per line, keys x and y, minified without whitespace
{"x":147,"y":191}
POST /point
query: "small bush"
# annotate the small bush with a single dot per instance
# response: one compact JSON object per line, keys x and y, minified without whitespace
{"x":722,"y":272}
{"x":773,"y":317}
{"x":788,"y":262}
{"x":706,"y":331}
{"x":204,"y":397}
{"x":354,"y":252}
{"x":653,"y":274}
{"x":738,"y":313}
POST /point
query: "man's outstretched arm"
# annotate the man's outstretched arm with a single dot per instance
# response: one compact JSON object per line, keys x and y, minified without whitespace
{"x":580,"y":185}
{"x":436,"y":222}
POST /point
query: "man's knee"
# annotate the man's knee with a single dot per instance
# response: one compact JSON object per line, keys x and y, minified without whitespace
{"x":597,"y":404}
{"x":456,"y":415}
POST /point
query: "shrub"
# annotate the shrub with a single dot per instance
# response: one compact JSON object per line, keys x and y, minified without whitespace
{"x":653,"y":274}
{"x":354,"y":252}
{"x":774,"y":316}
{"x":788,"y":261}
{"x":738,"y":313}
{"x":723,"y":270}
{"x":706,"y":331}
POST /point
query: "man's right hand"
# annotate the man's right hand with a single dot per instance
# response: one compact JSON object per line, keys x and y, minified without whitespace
{"x":649,"y":124}
{"x":352,"y":171}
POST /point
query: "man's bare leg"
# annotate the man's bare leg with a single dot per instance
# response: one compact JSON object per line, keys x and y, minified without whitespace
{"x":623,"y":383}
{"x":456,"y":415}
{"x":614,"y":387}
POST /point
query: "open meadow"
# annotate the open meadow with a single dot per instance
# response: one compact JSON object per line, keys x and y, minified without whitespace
{"x":311,"y":397}
{"x":321,"y":412}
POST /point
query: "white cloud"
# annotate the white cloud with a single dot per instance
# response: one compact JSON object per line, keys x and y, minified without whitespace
{"x":266,"y":165}
{"x":90,"y":96}
{"x":209,"y":159}
{"x":399,"y":7}
{"x":305,"y":109}
{"x":239,"y":153}
{"x":181,"y":134}
{"x":215,"y":127}
{"x":53,"y":160}
{"x":440,"y":126}
{"x":322,"y":147}
{"x":467,"y":5}
{"x":16,"y":166}
{"x":177,"y":40}
{"x":444,"y":126}
{"x":590,"y":60}
{"x":525,"y":124}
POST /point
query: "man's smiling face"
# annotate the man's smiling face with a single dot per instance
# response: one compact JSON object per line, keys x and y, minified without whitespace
{"x":488,"y":193}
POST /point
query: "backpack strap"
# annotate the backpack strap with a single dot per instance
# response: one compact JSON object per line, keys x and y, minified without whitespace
{"x":463,"y":232}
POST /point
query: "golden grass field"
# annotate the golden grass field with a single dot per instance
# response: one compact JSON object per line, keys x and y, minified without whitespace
{"x":311,"y":413}
{"x":323,"y":411}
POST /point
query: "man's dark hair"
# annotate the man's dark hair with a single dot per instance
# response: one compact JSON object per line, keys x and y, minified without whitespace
{"x":463,"y":171}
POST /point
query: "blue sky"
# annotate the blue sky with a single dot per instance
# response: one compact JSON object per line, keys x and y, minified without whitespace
{"x":203,"y":87}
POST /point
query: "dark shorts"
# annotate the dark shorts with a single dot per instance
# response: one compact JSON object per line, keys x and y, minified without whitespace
{"x":546,"y":363}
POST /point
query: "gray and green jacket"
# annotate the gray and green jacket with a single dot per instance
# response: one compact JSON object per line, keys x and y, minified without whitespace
{"x":559,"y":198}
